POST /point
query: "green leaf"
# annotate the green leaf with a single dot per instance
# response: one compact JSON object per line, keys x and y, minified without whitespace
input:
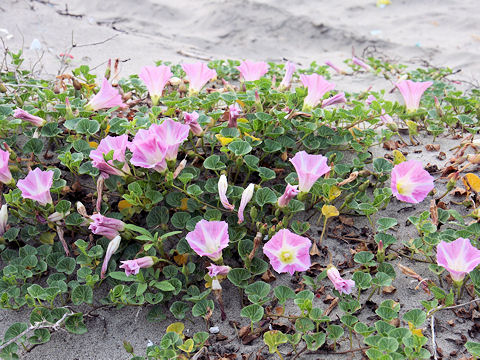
{"x":274,"y":338}
{"x":304,"y":325}
{"x":40,"y":336}
{"x":239,"y":147}
{"x":416,"y":316}
{"x":314,"y":341}
{"x":381,"y":165}
{"x":66,"y":265}
{"x":253,"y":312}
{"x":283,"y":293}
{"x":157,"y":216}
{"x":239,"y":277}
{"x":202,"y":307}
{"x":213,"y":162}
{"x":164,"y":286}
{"x":265,"y":196}
{"x":82,"y":294}
{"x":87,"y":127}
{"x":386,"y":223}
{"x":33,"y":146}
{"x":179,"y":219}
{"x":179,"y":309}
{"x":473,"y":348}
{"x":335,"y":332}
{"x":15,"y":330}
{"x":75,"y":325}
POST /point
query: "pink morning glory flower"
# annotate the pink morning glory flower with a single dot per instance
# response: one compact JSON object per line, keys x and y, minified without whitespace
{"x":155,"y":79}
{"x":309,"y":168}
{"x":360,"y":63}
{"x":191,"y":119}
{"x":410,"y":182}
{"x":334,"y":67}
{"x":317,"y":87}
{"x":117,"y":144}
{"x":3,"y":219}
{"x":36,"y":186}
{"x":251,"y":70}
{"x":459,"y":257}
{"x":290,"y":192}
{"x":341,"y":285}
{"x":171,"y":134}
{"x":112,"y":247}
{"x":148,"y":151}
{"x":105,"y":226}
{"x":412,"y":92}
{"x":288,"y":252}
{"x":336,"y":99}
{"x":32,"y":119}
{"x":246,"y":197}
{"x":287,"y":79}
{"x":370,"y":99}
{"x":5,"y":174}
{"x":198,"y":75}
{"x":222,"y":192}
{"x":132,"y":267}
{"x":215,"y":270}
{"x":233,"y":114}
{"x":209,"y":238}
{"x":108,"y":97}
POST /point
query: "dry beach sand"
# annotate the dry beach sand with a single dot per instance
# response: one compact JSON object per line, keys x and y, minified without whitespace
{"x":442,"y":33}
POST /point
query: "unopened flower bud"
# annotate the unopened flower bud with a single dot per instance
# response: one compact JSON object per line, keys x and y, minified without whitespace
{"x":76,"y":84}
{"x":179,"y":168}
{"x":175,"y":81}
{"x":81,"y":209}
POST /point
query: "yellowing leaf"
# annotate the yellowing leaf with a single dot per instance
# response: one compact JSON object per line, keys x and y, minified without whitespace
{"x":176,"y":327}
{"x":241,"y":103}
{"x":187,"y":346}
{"x":181,"y":259}
{"x":124,"y":204}
{"x":224,"y":140}
{"x":414,"y":331}
{"x":329,"y":211}
{"x":412,"y":127}
{"x":398,"y":157}
{"x":473,"y":181}
{"x":93,"y":144}
{"x":333,"y":193}
{"x":184,"y":204}
{"x":242,"y":120}
{"x":252,"y":137}
{"x":47,"y":238}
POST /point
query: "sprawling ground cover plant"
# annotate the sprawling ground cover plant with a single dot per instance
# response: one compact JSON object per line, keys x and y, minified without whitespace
{"x":165,"y":186}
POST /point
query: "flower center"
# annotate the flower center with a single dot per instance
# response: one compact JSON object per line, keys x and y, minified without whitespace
{"x":287,"y":256}
{"x":404,"y":187}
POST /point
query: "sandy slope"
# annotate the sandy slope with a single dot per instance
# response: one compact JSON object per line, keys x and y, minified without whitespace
{"x":442,"y":32}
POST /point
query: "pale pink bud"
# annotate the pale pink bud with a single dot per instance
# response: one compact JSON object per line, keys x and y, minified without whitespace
{"x":289,"y":70}
{"x":222,"y":192}
{"x":191,"y":119}
{"x":341,"y":285}
{"x":112,"y":247}
{"x":334,"y":67}
{"x":233,"y":114}
{"x":336,"y":99}
{"x":215,"y":270}
{"x":360,"y":63}
{"x":290,"y":192}
{"x":105,"y":226}
{"x":32,"y":119}
{"x":132,"y":267}
{"x":3,"y":219}
{"x":246,"y":197}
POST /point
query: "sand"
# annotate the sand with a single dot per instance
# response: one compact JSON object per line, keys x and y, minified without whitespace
{"x":436,"y":32}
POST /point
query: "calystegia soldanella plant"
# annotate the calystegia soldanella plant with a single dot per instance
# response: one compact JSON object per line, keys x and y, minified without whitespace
{"x":249,"y":203}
